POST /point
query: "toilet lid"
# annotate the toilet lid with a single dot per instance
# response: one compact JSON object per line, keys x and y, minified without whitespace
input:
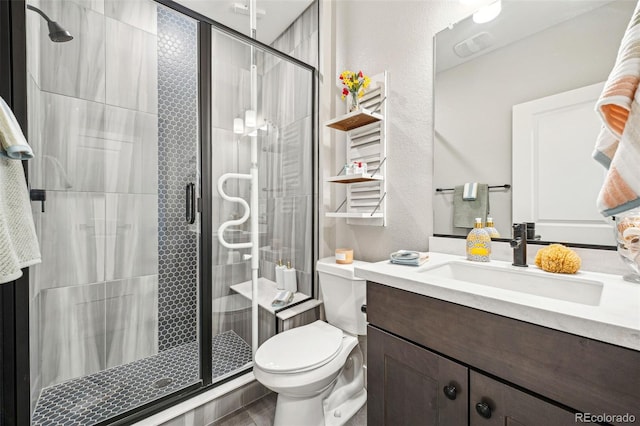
{"x":300,"y":349}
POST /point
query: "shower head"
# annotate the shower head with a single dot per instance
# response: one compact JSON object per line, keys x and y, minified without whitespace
{"x":56,"y":32}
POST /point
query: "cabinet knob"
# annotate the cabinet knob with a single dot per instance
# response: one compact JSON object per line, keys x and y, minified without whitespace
{"x":363,"y":308}
{"x":483,"y":409}
{"x":450,"y":392}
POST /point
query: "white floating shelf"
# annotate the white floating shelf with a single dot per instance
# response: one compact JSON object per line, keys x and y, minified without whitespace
{"x":353,"y":120}
{"x":267,"y":290}
{"x":356,"y":215}
{"x":362,"y":177}
{"x":366,"y":142}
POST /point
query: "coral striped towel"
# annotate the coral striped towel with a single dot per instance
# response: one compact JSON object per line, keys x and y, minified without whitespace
{"x":18,"y":242}
{"x":618,"y":144}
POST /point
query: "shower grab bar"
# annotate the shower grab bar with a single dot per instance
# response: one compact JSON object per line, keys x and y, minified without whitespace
{"x":233,"y":222}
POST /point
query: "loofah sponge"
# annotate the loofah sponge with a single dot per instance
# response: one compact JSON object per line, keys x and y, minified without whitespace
{"x":558,"y":258}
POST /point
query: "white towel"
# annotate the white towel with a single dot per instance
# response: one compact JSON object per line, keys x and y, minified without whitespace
{"x":618,"y":144}
{"x":409,"y":257}
{"x":13,"y":144}
{"x":18,"y":242}
{"x":470,"y":191}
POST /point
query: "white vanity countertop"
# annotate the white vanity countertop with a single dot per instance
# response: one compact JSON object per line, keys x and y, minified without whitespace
{"x":616,"y":319}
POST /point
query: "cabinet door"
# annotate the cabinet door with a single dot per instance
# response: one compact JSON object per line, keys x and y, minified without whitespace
{"x":409,"y":385}
{"x":507,"y":406}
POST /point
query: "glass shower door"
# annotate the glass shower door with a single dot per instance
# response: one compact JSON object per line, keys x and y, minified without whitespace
{"x":113,"y":121}
{"x":231,"y":308}
{"x":279,"y":120}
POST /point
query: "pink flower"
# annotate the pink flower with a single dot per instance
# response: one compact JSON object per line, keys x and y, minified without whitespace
{"x":360,"y":74}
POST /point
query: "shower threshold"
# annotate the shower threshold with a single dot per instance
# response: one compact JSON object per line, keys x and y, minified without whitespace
{"x":97,"y":397}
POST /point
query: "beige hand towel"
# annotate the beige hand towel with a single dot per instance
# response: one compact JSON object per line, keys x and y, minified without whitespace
{"x":18,"y":242}
{"x":13,"y":145}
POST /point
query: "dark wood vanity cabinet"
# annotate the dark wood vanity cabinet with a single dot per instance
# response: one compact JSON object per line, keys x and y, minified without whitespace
{"x":495,"y":403}
{"x":432,"y":362}
{"x":409,"y":385}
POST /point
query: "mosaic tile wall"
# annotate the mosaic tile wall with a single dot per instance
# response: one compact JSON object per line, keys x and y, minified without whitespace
{"x":177,"y":166}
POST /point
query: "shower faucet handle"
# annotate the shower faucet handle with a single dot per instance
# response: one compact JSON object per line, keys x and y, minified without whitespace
{"x":38,"y":195}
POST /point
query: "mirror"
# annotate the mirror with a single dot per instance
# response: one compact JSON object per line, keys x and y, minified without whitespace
{"x":487,"y":76}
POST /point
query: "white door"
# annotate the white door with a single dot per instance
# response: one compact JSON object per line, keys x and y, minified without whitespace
{"x":555,"y":180}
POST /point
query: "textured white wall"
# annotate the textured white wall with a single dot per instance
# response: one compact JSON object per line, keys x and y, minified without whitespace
{"x":374,"y":36}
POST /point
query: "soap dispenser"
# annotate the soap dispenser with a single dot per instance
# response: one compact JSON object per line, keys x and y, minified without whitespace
{"x":280,"y":275}
{"x":478,"y":243}
{"x":491,"y":230}
{"x":290,"y":280}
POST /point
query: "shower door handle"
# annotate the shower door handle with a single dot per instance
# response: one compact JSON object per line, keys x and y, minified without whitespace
{"x":191,"y":203}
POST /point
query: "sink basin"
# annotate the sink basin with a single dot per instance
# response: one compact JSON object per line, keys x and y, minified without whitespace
{"x":560,"y":287}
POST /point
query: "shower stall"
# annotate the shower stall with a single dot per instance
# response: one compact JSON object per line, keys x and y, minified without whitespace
{"x":134,"y":113}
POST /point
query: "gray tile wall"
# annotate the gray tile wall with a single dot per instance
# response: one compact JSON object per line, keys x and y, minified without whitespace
{"x":72,"y":327}
{"x":131,"y":312}
{"x":93,"y":125}
{"x":138,"y":14}
{"x":300,"y":40}
{"x":131,"y":65}
{"x":76,"y":68}
{"x":131,"y":235}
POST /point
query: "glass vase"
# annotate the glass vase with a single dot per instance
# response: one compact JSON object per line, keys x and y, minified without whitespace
{"x":353,"y":102}
{"x":627,"y":231}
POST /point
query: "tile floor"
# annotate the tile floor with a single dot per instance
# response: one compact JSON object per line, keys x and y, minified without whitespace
{"x":262,"y":411}
{"x":97,"y":397}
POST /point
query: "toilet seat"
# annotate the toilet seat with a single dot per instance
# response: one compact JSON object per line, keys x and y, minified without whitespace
{"x":300,"y":349}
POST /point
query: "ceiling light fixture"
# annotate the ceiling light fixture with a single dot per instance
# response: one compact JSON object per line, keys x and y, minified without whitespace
{"x":487,"y":13}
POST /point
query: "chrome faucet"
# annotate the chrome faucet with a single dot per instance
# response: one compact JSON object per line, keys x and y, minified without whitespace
{"x":519,"y":244}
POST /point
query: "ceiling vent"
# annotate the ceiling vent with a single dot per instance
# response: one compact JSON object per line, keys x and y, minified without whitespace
{"x":473,"y":44}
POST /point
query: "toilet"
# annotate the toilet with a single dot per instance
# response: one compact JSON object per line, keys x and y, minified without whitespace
{"x":317,"y":369}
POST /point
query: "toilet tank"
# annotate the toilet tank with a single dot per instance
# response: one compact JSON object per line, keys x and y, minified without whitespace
{"x":343,"y":295}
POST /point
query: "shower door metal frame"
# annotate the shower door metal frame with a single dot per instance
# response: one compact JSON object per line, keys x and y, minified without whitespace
{"x":205,"y":291}
{"x":14,"y":297}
